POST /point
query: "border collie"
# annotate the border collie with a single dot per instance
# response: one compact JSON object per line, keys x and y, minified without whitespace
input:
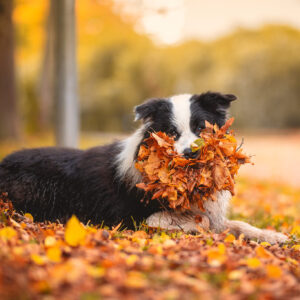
{"x":98,"y":184}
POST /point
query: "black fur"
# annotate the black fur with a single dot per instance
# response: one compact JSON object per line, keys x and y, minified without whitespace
{"x":54,"y":183}
{"x":211,"y":107}
{"x":156,"y":113}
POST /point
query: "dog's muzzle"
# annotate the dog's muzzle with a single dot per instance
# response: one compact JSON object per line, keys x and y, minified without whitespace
{"x":188,"y":153}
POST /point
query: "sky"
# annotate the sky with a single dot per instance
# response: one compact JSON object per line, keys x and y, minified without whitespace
{"x":172,"y":21}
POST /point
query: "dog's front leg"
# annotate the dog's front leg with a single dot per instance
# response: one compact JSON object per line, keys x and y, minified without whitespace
{"x":216,"y":212}
{"x":171,"y":220}
{"x":251,"y":232}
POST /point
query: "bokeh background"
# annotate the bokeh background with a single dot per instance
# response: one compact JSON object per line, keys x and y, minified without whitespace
{"x":128,"y":51}
{"x":131,"y":50}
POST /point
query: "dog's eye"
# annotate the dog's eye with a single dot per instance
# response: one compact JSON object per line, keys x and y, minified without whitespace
{"x":174,"y":133}
{"x":199,"y":129}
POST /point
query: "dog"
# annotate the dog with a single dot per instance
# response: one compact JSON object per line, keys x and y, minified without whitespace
{"x":99,"y":184}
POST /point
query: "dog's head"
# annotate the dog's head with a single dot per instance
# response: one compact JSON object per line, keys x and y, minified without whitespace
{"x":183,"y":116}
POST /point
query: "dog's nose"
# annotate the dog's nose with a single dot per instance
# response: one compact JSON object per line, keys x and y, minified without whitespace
{"x":188,"y":153}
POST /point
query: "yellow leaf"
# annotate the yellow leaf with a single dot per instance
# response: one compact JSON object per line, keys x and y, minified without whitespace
{"x":7,"y":233}
{"x":262,"y":252}
{"x":230,"y":238}
{"x":230,"y":138}
{"x":296,"y":247}
{"x":274,"y":271}
{"x":216,"y":256}
{"x":54,"y":254}
{"x":50,"y":241}
{"x":292,"y":261}
{"x":29,"y":216}
{"x":253,"y":263}
{"x":95,"y":272}
{"x":132,"y":259}
{"x":75,"y":232}
{"x":265,"y":244}
{"x":296,"y":230}
{"x":222,"y":248}
{"x":38,"y":259}
{"x":197,"y":144}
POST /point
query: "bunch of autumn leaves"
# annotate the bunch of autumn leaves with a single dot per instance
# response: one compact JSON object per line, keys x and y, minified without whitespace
{"x":184,"y":182}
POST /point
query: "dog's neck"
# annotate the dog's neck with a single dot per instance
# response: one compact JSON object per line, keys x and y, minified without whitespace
{"x":126,"y":170}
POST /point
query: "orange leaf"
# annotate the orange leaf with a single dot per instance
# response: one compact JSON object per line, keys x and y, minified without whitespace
{"x":253,"y":263}
{"x":183,"y":181}
{"x":262,"y":252}
{"x":273,"y":271}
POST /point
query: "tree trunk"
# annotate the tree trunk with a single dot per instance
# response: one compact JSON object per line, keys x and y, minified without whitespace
{"x":65,"y":75}
{"x":8,"y":97}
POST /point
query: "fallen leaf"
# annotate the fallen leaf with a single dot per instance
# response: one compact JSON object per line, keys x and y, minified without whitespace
{"x":273,"y":271}
{"x":230,"y":238}
{"x":253,"y":263}
{"x":75,"y":232}
{"x":262,"y":252}
{"x":7,"y":233}
{"x":54,"y":254}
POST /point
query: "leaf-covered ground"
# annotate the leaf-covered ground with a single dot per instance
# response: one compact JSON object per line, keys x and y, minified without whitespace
{"x":52,"y":261}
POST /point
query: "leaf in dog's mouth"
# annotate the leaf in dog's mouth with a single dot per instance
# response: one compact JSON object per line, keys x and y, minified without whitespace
{"x":197,"y":145}
{"x":184,"y":182}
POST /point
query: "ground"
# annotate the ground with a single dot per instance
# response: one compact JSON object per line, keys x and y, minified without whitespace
{"x":53,"y":261}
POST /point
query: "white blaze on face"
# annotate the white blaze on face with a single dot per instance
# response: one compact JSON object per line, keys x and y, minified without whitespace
{"x":181,"y":120}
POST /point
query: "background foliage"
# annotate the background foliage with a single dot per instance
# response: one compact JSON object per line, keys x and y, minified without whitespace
{"x":119,"y":68}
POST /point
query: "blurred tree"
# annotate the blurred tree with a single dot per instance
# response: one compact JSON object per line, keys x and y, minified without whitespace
{"x":8,"y":98}
{"x":120,"y":67}
{"x":65,"y":73}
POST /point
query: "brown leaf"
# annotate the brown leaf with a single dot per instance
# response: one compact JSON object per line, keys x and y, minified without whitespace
{"x":183,"y":181}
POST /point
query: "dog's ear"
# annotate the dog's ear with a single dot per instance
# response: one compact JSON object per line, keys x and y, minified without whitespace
{"x":150,"y":109}
{"x":215,"y":101}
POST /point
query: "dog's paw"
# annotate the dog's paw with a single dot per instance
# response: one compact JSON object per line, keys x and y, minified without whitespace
{"x":272,"y":237}
{"x":157,"y":220}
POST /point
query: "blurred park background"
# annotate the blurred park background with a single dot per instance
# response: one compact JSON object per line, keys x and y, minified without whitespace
{"x":131,"y":50}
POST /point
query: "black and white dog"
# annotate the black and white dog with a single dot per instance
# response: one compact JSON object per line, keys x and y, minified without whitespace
{"x":98,"y":184}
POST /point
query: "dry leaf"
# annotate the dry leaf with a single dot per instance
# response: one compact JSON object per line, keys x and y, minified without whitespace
{"x":183,"y":181}
{"x":75,"y":232}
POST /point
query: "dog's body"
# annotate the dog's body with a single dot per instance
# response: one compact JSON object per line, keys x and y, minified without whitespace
{"x":99,"y":184}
